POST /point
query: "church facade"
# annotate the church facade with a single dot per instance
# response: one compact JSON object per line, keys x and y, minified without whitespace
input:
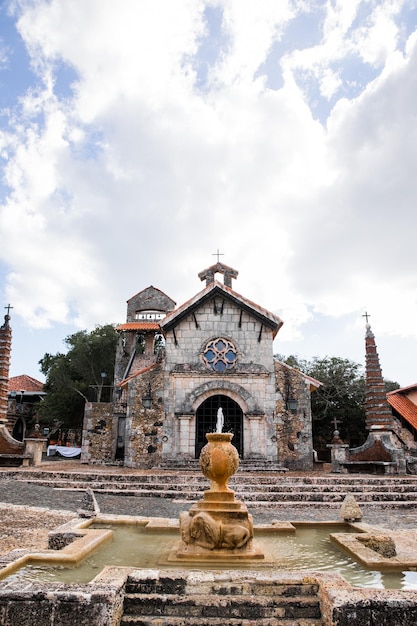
{"x":176,"y":366}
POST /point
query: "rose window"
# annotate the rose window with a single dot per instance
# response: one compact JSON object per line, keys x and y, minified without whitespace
{"x":220,"y":355}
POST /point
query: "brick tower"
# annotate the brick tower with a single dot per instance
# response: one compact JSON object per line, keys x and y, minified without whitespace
{"x":5,"y":350}
{"x":378,"y":411}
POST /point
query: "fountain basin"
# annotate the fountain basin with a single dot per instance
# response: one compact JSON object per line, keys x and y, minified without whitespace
{"x":124,"y":541}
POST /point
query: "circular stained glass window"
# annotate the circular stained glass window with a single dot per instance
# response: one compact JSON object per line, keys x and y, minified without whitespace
{"x":220,"y":355}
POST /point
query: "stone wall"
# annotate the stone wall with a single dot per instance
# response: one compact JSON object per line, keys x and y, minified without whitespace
{"x":251,"y":383}
{"x":253,"y":341}
{"x":98,"y":442}
{"x":150,"y":298}
{"x":53,"y":604}
{"x":144,"y":427}
{"x":293,"y":427}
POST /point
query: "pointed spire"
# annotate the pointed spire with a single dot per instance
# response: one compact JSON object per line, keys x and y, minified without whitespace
{"x":378,"y":411}
{"x":5,"y":350}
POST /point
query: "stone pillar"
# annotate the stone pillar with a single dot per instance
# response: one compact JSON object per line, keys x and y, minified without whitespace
{"x":339,"y":454}
{"x":255,"y":436}
{"x":184,"y":435}
{"x":35,"y":448}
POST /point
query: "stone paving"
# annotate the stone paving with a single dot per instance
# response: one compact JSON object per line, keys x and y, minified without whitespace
{"x":29,"y":511}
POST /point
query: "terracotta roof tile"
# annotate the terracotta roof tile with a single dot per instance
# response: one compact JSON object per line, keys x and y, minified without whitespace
{"x":139,"y":326}
{"x":25,"y":383}
{"x":403,"y":389}
{"x":404,"y":406}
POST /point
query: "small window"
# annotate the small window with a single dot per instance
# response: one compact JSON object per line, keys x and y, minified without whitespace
{"x":149,"y":315}
{"x":220,"y":355}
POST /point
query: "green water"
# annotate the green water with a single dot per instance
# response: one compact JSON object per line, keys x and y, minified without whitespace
{"x":309,"y":548}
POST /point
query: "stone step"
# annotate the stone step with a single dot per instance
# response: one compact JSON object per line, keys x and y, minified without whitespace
{"x":262,"y":490}
{"x":240,"y":486}
{"x":134,"y":620}
{"x":177,"y":585}
{"x":165,"y":478}
{"x":181,"y":598}
{"x":221,"y":606}
{"x":258,"y":497}
{"x":252,"y":485}
{"x":246,"y":465}
{"x":281,"y":490}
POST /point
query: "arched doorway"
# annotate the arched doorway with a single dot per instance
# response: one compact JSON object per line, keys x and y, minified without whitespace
{"x":206,"y":418}
{"x":19,"y":430}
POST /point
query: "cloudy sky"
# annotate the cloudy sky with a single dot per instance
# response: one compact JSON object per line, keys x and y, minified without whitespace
{"x":138,"y":137}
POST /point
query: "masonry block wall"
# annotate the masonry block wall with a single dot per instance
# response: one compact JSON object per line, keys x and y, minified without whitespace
{"x":218,"y":352}
{"x":144,"y":427}
{"x":98,"y":433}
{"x":293,"y":428}
{"x":251,"y":382}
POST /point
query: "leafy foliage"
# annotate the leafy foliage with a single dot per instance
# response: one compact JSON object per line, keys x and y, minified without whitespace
{"x":339,"y":401}
{"x":75,"y":377}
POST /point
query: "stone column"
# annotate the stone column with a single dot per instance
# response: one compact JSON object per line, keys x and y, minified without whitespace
{"x":35,"y":448}
{"x":256,"y":437}
{"x":339,"y":452}
{"x":184,"y":435}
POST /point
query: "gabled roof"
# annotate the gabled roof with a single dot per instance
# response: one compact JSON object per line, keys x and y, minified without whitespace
{"x":25,"y":383}
{"x":218,"y":289}
{"x":403,"y":406}
{"x":150,"y":298}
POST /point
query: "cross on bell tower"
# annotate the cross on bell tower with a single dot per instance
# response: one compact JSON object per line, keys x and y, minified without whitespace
{"x":218,"y":268}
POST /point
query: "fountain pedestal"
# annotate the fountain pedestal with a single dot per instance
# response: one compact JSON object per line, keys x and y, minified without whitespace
{"x":218,"y":527}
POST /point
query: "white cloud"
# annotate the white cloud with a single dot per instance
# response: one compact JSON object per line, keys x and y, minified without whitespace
{"x":139,"y":172}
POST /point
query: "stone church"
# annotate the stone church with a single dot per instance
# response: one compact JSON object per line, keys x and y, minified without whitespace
{"x":176,"y":366}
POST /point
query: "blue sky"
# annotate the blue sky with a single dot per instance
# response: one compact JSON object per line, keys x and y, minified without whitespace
{"x":137,"y":138}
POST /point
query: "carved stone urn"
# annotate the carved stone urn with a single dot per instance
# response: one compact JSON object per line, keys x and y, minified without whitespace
{"x":219,"y":460}
{"x":218,"y":527}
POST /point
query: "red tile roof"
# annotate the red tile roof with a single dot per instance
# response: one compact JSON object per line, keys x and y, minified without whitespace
{"x":404,"y":406}
{"x":139,"y":326}
{"x":403,"y":389}
{"x":25,"y":383}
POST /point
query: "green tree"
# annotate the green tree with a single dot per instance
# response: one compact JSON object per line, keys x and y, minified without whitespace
{"x":340,"y":400}
{"x":83,"y":374}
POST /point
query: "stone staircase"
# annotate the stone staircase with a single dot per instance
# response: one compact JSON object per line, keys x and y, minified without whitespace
{"x":246,"y":465}
{"x":209,"y":599}
{"x":259,"y":489}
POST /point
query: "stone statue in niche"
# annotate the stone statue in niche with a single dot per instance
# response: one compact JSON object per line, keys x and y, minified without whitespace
{"x":205,"y":531}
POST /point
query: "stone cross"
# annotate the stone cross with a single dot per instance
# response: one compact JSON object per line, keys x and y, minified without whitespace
{"x":218,"y":254}
{"x":366,"y":316}
{"x":336,"y":422}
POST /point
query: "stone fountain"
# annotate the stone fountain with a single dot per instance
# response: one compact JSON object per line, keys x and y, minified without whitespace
{"x":218,"y":527}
